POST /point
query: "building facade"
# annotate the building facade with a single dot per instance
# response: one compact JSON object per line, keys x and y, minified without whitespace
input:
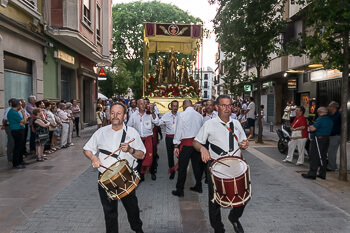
{"x":51,"y":49}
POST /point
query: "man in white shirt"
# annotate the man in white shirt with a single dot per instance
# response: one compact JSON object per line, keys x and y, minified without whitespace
{"x":187,"y":127}
{"x":133,"y":108}
{"x":144,"y":124}
{"x":103,"y":141}
{"x":169,"y":120}
{"x":222,"y":142}
{"x":250,"y":116}
{"x":209,"y":111}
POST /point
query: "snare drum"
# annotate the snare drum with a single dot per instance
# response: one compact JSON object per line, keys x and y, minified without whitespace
{"x":232,"y":186}
{"x":119,"y":183}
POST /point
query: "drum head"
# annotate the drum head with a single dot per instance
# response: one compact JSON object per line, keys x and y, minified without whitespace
{"x":237,"y":168}
{"x":115,"y":167}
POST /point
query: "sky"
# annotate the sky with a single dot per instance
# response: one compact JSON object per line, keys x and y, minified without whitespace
{"x":203,"y":10}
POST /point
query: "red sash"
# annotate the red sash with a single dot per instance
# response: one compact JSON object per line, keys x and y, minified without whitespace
{"x":170,"y":135}
{"x":155,"y":139}
{"x":147,"y":161}
{"x":186,"y":142}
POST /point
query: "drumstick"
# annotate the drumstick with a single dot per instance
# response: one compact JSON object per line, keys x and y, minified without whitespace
{"x":119,"y":148}
{"x":250,"y":136}
{"x":106,"y":168}
{"x":218,"y":161}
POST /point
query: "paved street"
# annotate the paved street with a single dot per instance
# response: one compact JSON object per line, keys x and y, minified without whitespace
{"x":60,"y":195}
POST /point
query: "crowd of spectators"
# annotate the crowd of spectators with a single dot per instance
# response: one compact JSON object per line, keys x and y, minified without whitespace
{"x":49,"y":125}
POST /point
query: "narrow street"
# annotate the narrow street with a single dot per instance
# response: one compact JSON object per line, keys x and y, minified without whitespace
{"x":60,"y":195}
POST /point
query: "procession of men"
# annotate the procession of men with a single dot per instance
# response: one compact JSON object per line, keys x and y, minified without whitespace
{"x":199,"y":137}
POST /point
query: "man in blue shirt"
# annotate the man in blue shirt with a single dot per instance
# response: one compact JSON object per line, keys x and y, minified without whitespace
{"x":322,"y":128}
{"x":334,"y":138}
{"x":17,"y":123}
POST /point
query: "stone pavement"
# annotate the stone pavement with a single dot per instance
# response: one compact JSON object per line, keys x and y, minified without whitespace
{"x":60,"y":195}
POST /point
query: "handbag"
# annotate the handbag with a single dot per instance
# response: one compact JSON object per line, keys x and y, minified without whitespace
{"x":296,"y":133}
{"x":43,"y":136}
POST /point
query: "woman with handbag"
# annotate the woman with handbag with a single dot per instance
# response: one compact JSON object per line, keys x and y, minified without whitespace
{"x":286,"y":114}
{"x":299,"y":136}
{"x":41,"y":131}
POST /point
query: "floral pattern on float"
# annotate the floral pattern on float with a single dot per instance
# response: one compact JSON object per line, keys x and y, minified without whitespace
{"x":190,"y":90}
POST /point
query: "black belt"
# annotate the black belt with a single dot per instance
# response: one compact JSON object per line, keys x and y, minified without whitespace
{"x":322,"y":136}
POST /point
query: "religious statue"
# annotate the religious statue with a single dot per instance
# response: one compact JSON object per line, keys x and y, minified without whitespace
{"x":172,"y":65}
{"x":183,"y":76}
{"x":160,"y":71}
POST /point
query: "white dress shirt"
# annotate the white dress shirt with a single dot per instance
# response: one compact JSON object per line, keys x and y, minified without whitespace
{"x":108,"y":139}
{"x":62,"y":115}
{"x":188,"y":124}
{"x":209,"y":117}
{"x":131,"y":111}
{"x":143,"y":123}
{"x":216,"y":133}
{"x":169,"y":120}
{"x":7,"y":111}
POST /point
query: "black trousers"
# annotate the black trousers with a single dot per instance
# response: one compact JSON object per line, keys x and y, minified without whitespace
{"x":170,"y":151}
{"x":32,"y":139}
{"x":18,"y":137}
{"x":110,"y":209}
{"x":24,"y":148}
{"x":187,"y":153}
{"x":76,"y":120}
{"x":214,"y":208}
{"x":315,"y":163}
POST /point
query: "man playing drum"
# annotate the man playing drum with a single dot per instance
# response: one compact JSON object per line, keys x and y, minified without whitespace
{"x":105,"y":140}
{"x":222,"y":143}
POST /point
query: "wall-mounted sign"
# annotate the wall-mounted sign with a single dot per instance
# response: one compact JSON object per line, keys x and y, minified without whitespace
{"x":65,"y":57}
{"x":247,"y":88}
{"x":323,"y":75}
{"x":102,"y":75}
{"x":292,"y":84}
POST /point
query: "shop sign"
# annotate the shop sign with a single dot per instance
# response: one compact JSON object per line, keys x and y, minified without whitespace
{"x":323,"y":75}
{"x":65,"y":57}
{"x":292,"y":84}
{"x":102,"y":75}
{"x":247,"y":88}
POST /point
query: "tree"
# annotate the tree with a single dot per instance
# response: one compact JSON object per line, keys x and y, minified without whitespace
{"x":128,"y":36}
{"x":118,"y":80}
{"x":250,"y":30}
{"x":326,"y":40}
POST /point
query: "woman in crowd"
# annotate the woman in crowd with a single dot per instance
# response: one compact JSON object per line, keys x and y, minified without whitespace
{"x":286,"y":114}
{"x":299,"y":124}
{"x":241,"y":118}
{"x":58,"y":128}
{"x":76,"y":115}
{"x":41,"y":129}
{"x":69,"y":110}
{"x":99,"y":117}
{"x":51,"y":120}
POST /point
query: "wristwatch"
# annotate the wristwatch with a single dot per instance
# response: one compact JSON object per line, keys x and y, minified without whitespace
{"x":133,"y":151}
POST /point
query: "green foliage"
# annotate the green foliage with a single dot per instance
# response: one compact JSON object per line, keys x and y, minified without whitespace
{"x":117,"y":82}
{"x":250,"y":29}
{"x":327,"y":22}
{"x":128,"y":22}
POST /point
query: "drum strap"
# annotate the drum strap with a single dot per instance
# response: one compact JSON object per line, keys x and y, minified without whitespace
{"x":115,"y":155}
{"x":230,"y":136}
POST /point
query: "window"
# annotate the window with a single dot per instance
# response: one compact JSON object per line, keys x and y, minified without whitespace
{"x":205,"y":76}
{"x":205,"y":94}
{"x":98,"y":23}
{"x":86,"y":12}
{"x":205,"y":84}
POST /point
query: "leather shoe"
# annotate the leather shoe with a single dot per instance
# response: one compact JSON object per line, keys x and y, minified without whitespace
{"x":178,"y":193}
{"x":153,"y":176}
{"x":237,"y":226}
{"x":322,"y":177}
{"x":140,"y":231}
{"x":196,"y":189}
{"x":172,"y":175}
{"x":19,"y":166}
{"x":308,"y":176}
